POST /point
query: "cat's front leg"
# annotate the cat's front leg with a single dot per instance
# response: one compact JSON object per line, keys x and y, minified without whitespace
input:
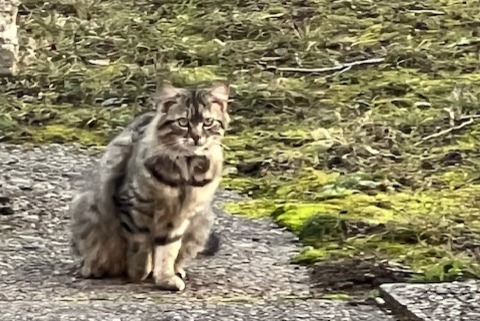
{"x":194,"y":239}
{"x":139,"y":258}
{"x":167,"y":246}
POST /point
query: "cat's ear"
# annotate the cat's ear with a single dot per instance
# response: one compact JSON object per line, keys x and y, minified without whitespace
{"x":219,"y":93}
{"x":166,"y":96}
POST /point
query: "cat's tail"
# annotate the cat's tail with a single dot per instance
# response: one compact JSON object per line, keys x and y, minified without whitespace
{"x":212,"y":246}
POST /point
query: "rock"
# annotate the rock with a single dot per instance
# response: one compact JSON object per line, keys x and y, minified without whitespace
{"x":379,"y":301}
{"x":23,"y":184}
{"x":6,"y":210}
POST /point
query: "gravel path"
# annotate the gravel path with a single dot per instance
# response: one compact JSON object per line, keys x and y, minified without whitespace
{"x":249,"y":279}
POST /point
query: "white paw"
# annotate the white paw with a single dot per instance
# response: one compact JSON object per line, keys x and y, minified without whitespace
{"x":170,"y":283}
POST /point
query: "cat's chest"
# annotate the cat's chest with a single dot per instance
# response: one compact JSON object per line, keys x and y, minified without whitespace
{"x":181,"y":172}
{"x":182,"y":201}
{"x":177,"y":197}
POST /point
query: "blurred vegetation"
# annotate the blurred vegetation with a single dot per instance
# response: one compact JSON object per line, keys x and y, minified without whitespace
{"x":377,"y":161}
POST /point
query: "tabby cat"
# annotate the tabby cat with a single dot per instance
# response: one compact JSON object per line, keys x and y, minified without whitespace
{"x":148,"y":208}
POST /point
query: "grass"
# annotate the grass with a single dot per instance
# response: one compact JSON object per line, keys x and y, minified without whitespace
{"x":375,"y":161}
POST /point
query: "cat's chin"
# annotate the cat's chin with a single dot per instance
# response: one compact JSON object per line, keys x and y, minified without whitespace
{"x":193,"y":151}
{"x":200,"y":151}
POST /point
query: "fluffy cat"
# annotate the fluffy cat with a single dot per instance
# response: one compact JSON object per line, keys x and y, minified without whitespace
{"x":148,"y":208}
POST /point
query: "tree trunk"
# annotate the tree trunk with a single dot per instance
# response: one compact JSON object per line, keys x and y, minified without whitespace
{"x":8,"y":37}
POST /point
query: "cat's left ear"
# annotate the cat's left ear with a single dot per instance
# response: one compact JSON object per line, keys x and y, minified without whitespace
{"x":166,"y":96}
{"x":219,"y":93}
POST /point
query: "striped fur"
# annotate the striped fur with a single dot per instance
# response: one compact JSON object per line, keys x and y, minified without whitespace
{"x":148,"y":208}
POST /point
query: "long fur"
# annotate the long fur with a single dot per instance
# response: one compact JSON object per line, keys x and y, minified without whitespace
{"x":148,"y":206}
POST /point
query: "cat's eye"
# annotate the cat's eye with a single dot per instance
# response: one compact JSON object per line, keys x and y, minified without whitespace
{"x":208,"y":122}
{"x":182,"y":122}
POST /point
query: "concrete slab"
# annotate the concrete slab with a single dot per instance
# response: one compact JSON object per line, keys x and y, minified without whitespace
{"x":456,"y":301}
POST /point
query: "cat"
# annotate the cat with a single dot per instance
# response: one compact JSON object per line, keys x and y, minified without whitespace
{"x":148,"y":208}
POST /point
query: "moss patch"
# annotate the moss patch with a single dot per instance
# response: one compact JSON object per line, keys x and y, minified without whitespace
{"x":376,"y":162}
{"x":430,"y":231}
{"x":62,"y":134}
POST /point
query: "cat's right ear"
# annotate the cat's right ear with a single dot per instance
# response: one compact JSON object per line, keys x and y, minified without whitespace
{"x":166,"y":96}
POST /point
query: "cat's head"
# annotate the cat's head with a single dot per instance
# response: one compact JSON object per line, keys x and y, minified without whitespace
{"x":190,"y":120}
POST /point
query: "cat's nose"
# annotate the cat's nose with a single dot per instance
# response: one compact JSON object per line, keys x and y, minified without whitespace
{"x":196,"y":138}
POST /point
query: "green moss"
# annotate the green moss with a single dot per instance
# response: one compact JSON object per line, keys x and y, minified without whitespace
{"x":251,"y":208}
{"x":416,"y":229}
{"x":63,"y":134}
{"x":200,"y":74}
{"x":332,"y":251}
{"x":336,"y":296}
{"x":455,"y":178}
{"x":448,"y":269}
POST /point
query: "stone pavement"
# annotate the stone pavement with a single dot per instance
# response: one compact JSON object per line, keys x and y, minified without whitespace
{"x":249,"y":279}
{"x":456,"y":301}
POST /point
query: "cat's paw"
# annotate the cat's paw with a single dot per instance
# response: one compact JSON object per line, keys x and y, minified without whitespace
{"x":180,"y":272}
{"x":89,"y":271}
{"x":138,"y":275}
{"x":170,"y":283}
{"x":139,"y":266}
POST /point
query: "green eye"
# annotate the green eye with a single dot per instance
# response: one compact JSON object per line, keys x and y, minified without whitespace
{"x":182,"y":122}
{"x":208,"y":122}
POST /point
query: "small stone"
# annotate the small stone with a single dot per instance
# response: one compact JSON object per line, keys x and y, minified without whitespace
{"x":6,"y":210}
{"x":23,"y":184}
{"x":12,"y":161}
{"x":379,"y":301}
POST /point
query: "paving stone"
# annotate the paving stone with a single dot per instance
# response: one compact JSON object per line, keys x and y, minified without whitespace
{"x":455,"y":301}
